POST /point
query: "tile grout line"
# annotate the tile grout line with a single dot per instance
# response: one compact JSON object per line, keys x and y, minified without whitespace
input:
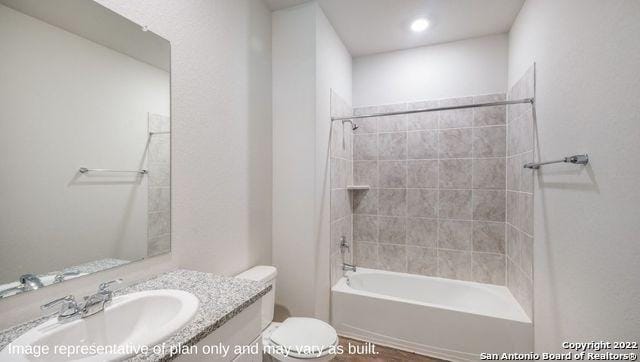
{"x":473,"y":152}
{"x":438,"y":266}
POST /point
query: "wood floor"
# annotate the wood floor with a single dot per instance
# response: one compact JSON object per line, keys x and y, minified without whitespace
{"x":382,"y":354}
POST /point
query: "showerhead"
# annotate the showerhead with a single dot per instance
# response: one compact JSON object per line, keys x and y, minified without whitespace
{"x":353,"y":125}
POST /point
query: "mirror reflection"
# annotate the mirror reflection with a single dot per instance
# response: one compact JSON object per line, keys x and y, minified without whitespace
{"x":85,"y":142}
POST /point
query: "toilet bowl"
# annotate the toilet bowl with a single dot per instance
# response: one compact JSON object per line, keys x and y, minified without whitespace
{"x":295,"y":339}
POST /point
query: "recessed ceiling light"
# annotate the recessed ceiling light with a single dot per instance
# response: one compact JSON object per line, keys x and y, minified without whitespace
{"x":419,"y":25}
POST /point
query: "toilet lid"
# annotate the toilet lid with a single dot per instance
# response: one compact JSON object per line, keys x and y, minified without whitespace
{"x":305,"y":336}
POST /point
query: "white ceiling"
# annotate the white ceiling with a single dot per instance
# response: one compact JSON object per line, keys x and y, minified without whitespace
{"x":94,"y":22}
{"x":283,"y":4}
{"x":375,"y":26}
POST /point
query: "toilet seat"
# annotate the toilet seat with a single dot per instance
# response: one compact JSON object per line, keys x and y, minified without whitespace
{"x":304,"y":338}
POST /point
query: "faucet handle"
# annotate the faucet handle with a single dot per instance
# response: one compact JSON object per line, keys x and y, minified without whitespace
{"x":60,"y":277}
{"x":68,"y":307}
{"x":344,"y":244}
{"x":104,"y":287}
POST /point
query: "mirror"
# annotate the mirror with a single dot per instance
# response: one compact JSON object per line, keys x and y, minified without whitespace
{"x":84,"y":142}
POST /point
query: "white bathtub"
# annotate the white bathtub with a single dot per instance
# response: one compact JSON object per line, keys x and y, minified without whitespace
{"x":444,"y":318}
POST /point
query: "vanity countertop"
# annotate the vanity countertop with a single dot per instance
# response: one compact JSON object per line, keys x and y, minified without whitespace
{"x":221,"y":298}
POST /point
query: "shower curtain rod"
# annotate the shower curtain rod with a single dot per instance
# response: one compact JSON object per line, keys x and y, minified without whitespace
{"x":490,"y":104}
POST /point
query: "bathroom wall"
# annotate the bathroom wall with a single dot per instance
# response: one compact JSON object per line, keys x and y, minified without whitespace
{"x":437,"y":200}
{"x":221,"y":176}
{"x":586,"y":221}
{"x":520,"y":150}
{"x":449,"y":70}
{"x":309,"y":61}
{"x":54,"y":120}
{"x":333,"y":77}
{"x":221,"y":88}
{"x":294,"y":157}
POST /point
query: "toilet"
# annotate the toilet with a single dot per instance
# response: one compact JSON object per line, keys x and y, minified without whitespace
{"x":307,"y":339}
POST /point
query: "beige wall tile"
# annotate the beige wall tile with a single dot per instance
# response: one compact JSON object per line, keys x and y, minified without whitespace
{"x":392,"y":230}
{"x":455,"y":143}
{"x":423,"y":261}
{"x":422,"y":173}
{"x":454,"y":234}
{"x":422,"y":232}
{"x":488,"y":268}
{"x":422,"y":144}
{"x":454,"y":264}
{"x":392,"y":146}
{"x":455,"y":204}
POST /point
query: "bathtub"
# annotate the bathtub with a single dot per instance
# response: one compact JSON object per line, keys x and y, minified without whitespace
{"x":443,"y":318}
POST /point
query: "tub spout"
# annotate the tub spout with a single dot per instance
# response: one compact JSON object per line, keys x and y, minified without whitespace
{"x":348,"y":267}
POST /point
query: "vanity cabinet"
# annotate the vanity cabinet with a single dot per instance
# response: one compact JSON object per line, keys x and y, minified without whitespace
{"x":241,"y":330}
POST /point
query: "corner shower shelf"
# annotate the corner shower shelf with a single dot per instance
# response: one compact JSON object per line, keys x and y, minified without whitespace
{"x":358,"y":187}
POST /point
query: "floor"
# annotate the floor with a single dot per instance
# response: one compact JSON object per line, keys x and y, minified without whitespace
{"x":384,"y":354}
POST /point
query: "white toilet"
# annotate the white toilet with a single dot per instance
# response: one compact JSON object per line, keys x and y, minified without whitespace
{"x":307,"y":339}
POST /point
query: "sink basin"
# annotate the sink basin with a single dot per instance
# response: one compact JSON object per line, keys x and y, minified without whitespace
{"x":129,"y":323}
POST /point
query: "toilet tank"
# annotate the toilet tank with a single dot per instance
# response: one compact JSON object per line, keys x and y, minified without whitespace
{"x":267,"y":275}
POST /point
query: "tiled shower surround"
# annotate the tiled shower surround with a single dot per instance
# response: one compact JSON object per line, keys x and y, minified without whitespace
{"x":520,"y":148}
{"x":437,"y":200}
{"x":448,"y":194}
{"x":341,"y":166}
{"x":159,"y":183}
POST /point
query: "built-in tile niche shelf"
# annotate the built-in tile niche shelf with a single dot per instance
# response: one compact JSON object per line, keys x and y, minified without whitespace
{"x":358,"y":187}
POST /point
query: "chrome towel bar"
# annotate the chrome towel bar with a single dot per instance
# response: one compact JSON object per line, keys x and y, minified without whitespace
{"x":575,"y":159}
{"x":86,"y":170}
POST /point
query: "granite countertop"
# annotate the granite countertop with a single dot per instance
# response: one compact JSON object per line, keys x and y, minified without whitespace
{"x":95,"y":266}
{"x":221,"y":298}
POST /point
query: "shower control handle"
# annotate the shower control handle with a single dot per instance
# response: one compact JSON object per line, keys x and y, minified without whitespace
{"x":344,"y":244}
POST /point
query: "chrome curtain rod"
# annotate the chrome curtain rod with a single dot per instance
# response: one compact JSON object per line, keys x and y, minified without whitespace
{"x":490,"y":104}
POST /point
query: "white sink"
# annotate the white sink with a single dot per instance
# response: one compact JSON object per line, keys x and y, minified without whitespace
{"x":131,"y":321}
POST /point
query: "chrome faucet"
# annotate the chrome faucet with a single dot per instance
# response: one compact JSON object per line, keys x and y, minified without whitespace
{"x":30,"y":282}
{"x":95,"y":303}
{"x":69,"y":309}
{"x":348,"y":267}
{"x":27,"y":282}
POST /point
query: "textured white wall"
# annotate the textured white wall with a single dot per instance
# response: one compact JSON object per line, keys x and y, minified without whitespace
{"x":309,"y":60}
{"x":467,"y":67}
{"x":294,"y":175}
{"x":221,"y":151}
{"x":49,"y":127}
{"x":333,"y":72}
{"x":587,"y":225}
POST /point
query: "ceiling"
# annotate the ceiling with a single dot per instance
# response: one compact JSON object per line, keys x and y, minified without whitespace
{"x":100,"y":25}
{"x":375,"y":26}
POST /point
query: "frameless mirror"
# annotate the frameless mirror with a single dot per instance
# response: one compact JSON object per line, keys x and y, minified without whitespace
{"x":84,"y":142}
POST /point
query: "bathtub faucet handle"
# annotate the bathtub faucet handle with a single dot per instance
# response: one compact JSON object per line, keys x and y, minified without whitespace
{"x":344,"y":244}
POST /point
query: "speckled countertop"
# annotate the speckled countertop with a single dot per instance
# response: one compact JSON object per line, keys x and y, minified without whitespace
{"x":95,"y":266}
{"x":221,"y":298}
